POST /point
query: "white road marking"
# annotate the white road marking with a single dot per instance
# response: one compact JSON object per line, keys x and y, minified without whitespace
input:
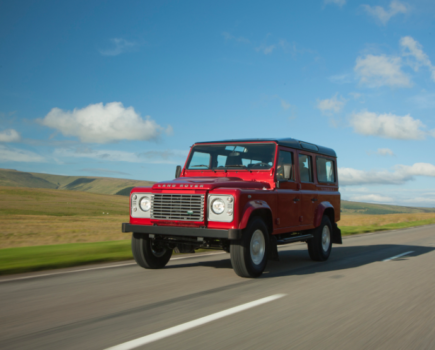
{"x":192,"y":324}
{"x":98,"y":268}
{"x":398,"y":256}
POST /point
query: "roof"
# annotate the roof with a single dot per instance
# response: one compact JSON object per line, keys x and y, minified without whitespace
{"x":288,"y":142}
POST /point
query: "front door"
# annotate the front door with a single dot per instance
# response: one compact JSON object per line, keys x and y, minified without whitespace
{"x":289,"y":199}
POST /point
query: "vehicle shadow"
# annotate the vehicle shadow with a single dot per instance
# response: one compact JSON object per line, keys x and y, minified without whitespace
{"x":298,"y":262}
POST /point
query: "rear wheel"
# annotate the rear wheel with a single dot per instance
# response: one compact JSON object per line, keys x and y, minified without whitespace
{"x":148,"y":253}
{"x":249,"y":254}
{"x":319,"y":247}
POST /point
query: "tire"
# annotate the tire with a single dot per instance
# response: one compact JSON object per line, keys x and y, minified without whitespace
{"x":319,"y":247}
{"x":249,"y":254}
{"x":147,"y":255}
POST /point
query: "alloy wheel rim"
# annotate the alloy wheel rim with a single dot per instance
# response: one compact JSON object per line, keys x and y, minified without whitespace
{"x":257,"y":247}
{"x":326,"y":238}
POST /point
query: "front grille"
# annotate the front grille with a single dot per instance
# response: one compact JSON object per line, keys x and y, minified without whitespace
{"x":187,"y":207}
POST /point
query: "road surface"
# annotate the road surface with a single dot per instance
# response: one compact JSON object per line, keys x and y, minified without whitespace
{"x":377,"y":291}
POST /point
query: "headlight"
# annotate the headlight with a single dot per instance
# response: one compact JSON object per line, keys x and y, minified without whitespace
{"x":218,"y":206}
{"x":145,"y":204}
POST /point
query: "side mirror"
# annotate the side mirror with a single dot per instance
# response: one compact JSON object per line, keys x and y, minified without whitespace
{"x":287,"y":170}
{"x":178,"y":171}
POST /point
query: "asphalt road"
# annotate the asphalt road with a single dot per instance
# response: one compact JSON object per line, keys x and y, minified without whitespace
{"x":355,"y":300}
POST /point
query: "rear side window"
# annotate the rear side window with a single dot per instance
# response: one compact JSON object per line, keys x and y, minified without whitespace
{"x":305,"y":168}
{"x":284,"y":158}
{"x":325,"y":170}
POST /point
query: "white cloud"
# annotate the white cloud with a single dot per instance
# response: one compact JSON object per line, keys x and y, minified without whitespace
{"x":104,"y":171}
{"x":385,"y":152}
{"x":339,"y":3}
{"x":8,"y":154}
{"x":103,"y":123}
{"x":376,"y":71}
{"x":388,"y":126}
{"x":332,"y":105}
{"x":412,"y":48}
{"x":119,"y":46}
{"x":400,"y":175}
{"x":150,"y":157}
{"x":382,"y":15}
{"x":266,"y":49}
{"x":285,"y":105}
{"x":377,"y":198}
{"x":239,"y":39}
{"x":9,"y":135}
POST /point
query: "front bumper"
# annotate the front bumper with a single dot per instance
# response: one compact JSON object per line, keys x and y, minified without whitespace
{"x":232,"y":234}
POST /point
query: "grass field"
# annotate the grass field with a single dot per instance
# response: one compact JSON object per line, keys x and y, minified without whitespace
{"x":50,"y":228}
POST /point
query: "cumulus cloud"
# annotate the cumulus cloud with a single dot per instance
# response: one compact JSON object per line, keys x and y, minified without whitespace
{"x":382,"y":15}
{"x":332,"y":105}
{"x":376,"y":71}
{"x":119,"y":46}
{"x":385,"y":152}
{"x":400,"y":175}
{"x":9,"y":135}
{"x":413,"y":49}
{"x":100,"y":123}
{"x":339,"y":3}
{"x":388,"y":126}
{"x":8,"y":154}
{"x":285,"y":105}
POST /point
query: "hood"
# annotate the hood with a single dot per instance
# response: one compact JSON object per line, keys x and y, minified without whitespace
{"x":209,"y":183}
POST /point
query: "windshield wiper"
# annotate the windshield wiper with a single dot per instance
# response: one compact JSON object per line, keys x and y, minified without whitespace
{"x":199,"y":165}
{"x":235,"y":166}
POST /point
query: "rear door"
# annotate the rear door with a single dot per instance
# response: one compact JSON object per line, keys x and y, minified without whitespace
{"x":308,"y":192}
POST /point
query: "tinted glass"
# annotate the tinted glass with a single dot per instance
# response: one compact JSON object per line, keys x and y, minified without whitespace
{"x":305,"y":168}
{"x":252,"y":156}
{"x":325,"y":170}
{"x":284,"y":158}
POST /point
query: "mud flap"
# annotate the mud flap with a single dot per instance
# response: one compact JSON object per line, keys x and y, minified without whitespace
{"x":336,"y":234}
{"x":273,"y":249}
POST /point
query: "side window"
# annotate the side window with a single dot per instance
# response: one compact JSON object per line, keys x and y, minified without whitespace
{"x":325,"y":170}
{"x":200,"y":160}
{"x":221,"y":160}
{"x":305,"y":168}
{"x":284,"y":158}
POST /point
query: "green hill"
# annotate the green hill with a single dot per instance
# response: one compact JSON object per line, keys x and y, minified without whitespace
{"x":102,"y":185}
{"x":348,"y":207}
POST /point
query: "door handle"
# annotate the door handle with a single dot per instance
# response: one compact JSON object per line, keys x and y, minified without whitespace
{"x":296,"y":199}
{"x":314,"y":199}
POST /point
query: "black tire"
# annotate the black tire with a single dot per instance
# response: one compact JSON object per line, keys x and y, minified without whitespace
{"x":242,"y":260}
{"x":147,"y":255}
{"x":318,"y":246}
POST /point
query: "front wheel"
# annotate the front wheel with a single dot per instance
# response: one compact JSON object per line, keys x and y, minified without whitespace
{"x":319,"y":247}
{"x":148,"y":253}
{"x":249,"y":255}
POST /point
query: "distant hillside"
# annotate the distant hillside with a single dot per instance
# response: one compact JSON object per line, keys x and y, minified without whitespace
{"x":102,"y":185}
{"x":348,"y":207}
{"x":108,"y":185}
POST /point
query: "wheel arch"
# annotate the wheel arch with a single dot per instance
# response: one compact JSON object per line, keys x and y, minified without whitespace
{"x":260,"y":209}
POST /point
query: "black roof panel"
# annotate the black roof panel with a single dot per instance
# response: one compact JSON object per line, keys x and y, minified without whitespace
{"x":288,"y":142}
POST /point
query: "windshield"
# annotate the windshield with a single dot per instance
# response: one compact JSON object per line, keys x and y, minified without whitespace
{"x":232,"y":156}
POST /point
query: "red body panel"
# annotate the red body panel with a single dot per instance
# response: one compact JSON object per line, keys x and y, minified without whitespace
{"x":293,"y":205}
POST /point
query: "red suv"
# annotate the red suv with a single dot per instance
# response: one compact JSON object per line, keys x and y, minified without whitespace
{"x":243,"y":196}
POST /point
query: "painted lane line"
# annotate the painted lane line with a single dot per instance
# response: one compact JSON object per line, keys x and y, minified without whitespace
{"x":192,"y":324}
{"x":398,"y":256}
{"x":98,"y":268}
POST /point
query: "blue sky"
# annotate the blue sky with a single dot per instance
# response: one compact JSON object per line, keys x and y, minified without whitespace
{"x":123,"y":89}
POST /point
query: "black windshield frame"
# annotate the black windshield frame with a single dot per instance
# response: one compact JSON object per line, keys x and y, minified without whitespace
{"x":238,"y":156}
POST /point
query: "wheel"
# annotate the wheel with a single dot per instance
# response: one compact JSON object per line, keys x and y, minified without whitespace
{"x":148,"y":254}
{"x":249,"y":254}
{"x":319,"y":247}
